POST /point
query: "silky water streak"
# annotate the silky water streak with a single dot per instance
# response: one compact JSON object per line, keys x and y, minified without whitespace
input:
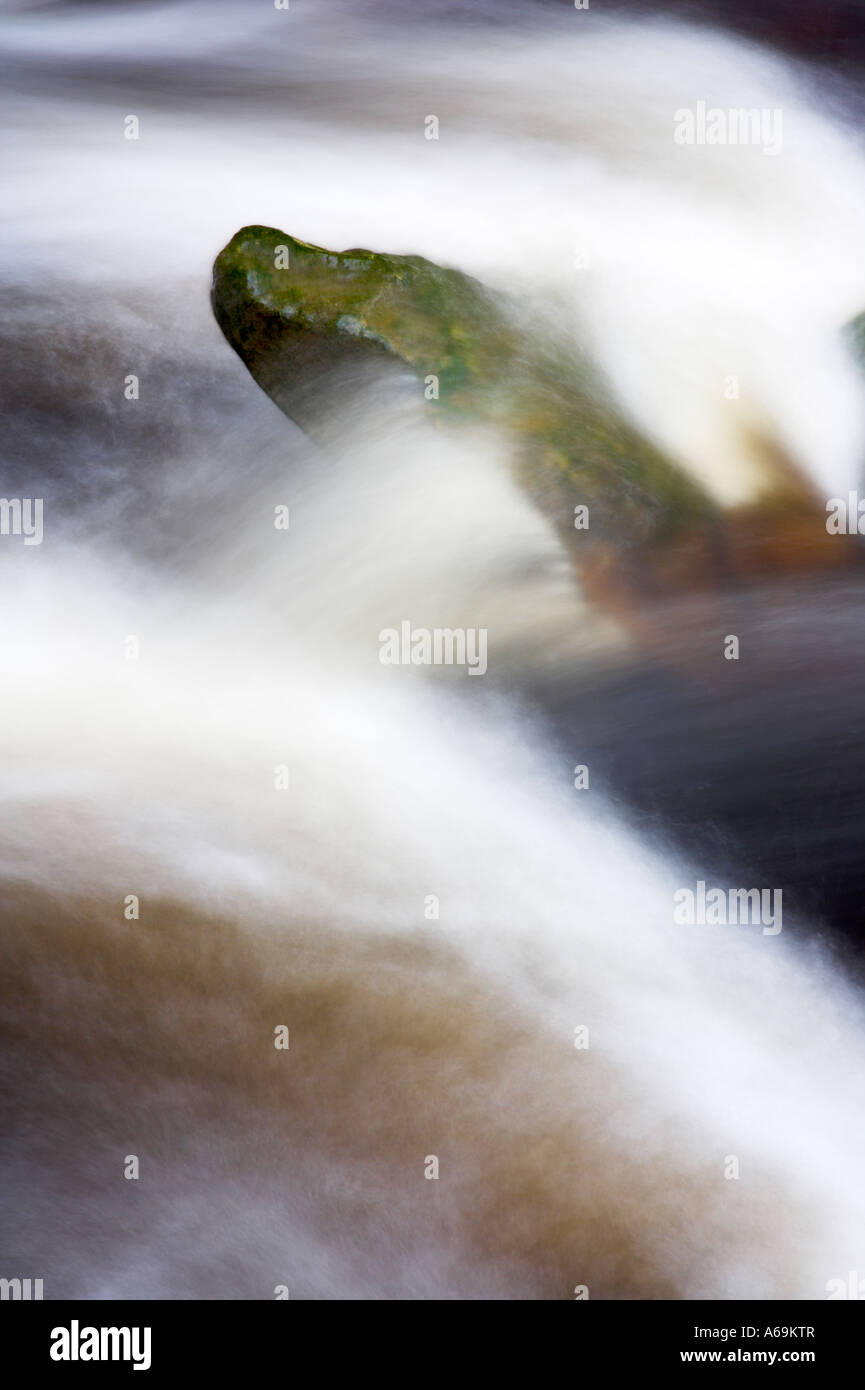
{"x":222,"y":815}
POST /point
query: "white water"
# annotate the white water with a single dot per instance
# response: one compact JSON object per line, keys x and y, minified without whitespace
{"x":409,"y":1037}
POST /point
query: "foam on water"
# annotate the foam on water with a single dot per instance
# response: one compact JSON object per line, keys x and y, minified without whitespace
{"x":260,"y":648}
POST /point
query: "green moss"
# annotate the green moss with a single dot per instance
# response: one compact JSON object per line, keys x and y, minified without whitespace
{"x":438,"y":322}
{"x":290,"y":308}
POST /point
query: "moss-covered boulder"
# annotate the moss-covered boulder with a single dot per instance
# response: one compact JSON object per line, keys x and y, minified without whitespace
{"x":310,"y":323}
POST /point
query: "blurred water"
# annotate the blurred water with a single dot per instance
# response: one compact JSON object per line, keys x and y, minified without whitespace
{"x":413,"y":1036}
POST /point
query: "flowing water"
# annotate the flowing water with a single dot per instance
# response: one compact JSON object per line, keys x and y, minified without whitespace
{"x":417,"y":1028}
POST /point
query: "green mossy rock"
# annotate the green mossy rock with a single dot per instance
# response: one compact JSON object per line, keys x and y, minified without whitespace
{"x":310,"y":323}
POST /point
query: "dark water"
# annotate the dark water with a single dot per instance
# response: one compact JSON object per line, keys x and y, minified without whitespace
{"x":765,"y":772}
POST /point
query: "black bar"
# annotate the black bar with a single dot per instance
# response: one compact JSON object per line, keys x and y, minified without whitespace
{"x":222,"y":1339}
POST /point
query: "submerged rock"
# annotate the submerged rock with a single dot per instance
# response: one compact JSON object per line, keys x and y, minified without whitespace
{"x":312,"y":324}
{"x":854,"y":333}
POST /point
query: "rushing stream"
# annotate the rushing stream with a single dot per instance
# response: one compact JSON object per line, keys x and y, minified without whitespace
{"x":393,"y":862}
